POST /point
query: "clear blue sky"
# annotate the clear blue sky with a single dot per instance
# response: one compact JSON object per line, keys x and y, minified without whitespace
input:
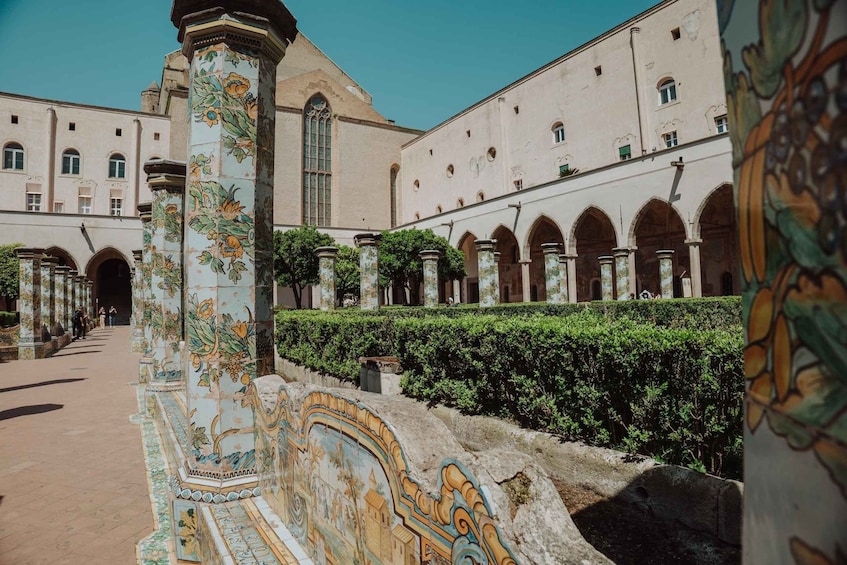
{"x":421,"y":61}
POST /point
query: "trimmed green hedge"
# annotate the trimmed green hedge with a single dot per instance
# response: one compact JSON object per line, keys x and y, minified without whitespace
{"x":700,"y":313}
{"x":8,"y":319}
{"x":673,"y":393}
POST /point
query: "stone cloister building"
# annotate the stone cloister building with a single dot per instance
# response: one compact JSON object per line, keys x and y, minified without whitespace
{"x":619,"y":147}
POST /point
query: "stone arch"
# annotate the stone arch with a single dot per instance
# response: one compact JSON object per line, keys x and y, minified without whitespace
{"x":658,"y":225}
{"x":470,"y":284}
{"x":543,"y":230}
{"x":511,"y":285}
{"x":715,"y":225}
{"x":592,"y":236}
{"x":64,"y":257}
{"x":111,"y":272}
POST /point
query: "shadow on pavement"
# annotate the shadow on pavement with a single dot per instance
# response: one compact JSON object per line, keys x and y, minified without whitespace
{"x":42,"y":383}
{"x":65,"y":354}
{"x":29,"y":410}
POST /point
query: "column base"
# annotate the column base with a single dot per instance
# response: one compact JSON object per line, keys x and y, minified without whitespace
{"x":145,"y":370}
{"x":33,"y":350}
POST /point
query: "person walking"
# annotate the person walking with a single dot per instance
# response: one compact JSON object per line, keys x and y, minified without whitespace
{"x":113,"y":313}
{"x":101,"y":313}
{"x":77,"y":320}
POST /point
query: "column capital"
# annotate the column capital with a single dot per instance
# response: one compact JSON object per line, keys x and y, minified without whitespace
{"x":693,"y":241}
{"x":29,"y":252}
{"x":145,"y":211}
{"x":366,"y":239}
{"x":665,"y":253}
{"x":606,"y":259}
{"x":263,"y":24}
{"x":484,"y":244}
{"x":430,"y":254}
{"x":50,"y":260}
{"x":327,"y":251}
{"x":163,"y":174}
{"x":63,"y":269}
{"x":551,"y":247}
{"x":524,"y":261}
{"x":621,"y":251}
{"x":73,"y":273}
{"x":137,"y":255}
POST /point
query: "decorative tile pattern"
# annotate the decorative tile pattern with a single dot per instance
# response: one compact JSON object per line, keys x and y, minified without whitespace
{"x":497,"y":277}
{"x":666,"y":272}
{"x":153,"y":550}
{"x":606,"y":282}
{"x":429,"y":259}
{"x":228,"y":249}
{"x":30,"y":345}
{"x":488,"y":271}
{"x":137,"y":339}
{"x":369,"y":269}
{"x":339,"y":479}
{"x":552,"y":278}
{"x":48,"y":304}
{"x":785,"y":65}
{"x":563,"y":278}
{"x":622,"y":273}
{"x":326,"y":260}
{"x":166,"y":277}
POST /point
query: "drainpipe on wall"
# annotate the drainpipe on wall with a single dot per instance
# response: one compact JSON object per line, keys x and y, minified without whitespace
{"x":643,"y":118}
{"x":50,"y":159}
{"x":137,"y":165}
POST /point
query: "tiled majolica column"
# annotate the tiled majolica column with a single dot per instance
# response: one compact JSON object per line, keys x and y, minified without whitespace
{"x":564,"y":291}
{"x":621,"y":272}
{"x":606,"y":282}
{"x":326,"y":261}
{"x":72,"y":297}
{"x":497,"y":290}
{"x":525,"y":280}
{"x":166,"y":180}
{"x":696,"y":270}
{"x":552,"y":278}
{"x":429,"y":258}
{"x":79,"y":297}
{"x":137,"y":335}
{"x":666,"y":272}
{"x":145,"y":364}
{"x":571,"y":258}
{"x":89,"y":286}
{"x":62,"y":301}
{"x":786,"y":82}
{"x":48,"y":298}
{"x":369,"y":270}
{"x":233,"y":49}
{"x":30,"y":345}
{"x":487,"y":272}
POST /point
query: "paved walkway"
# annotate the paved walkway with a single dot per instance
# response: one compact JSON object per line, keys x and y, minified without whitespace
{"x":73,"y":485}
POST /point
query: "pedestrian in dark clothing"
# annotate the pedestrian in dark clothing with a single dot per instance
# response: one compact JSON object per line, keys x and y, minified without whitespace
{"x":78,"y":320}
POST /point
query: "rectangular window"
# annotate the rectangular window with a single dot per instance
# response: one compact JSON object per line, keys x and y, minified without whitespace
{"x":118,"y":132}
{"x":33,"y":201}
{"x":598,"y":70}
{"x":675,"y":33}
{"x":59,"y":207}
{"x":671,"y":139}
{"x":156,"y":136}
{"x":71,"y":126}
{"x":115,"y":206}
{"x":117,"y":169}
{"x":625,"y":152}
{"x":519,"y":184}
{"x":14,"y":119}
{"x":563,"y":170}
{"x":84,"y":204}
{"x":721,"y":124}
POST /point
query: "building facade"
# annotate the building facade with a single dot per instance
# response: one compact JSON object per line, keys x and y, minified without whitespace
{"x":618,"y":148}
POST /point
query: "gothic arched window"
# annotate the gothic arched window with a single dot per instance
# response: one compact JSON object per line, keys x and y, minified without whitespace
{"x":317,"y":162}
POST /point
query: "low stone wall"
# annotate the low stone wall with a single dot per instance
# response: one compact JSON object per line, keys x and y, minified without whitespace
{"x":702,"y":502}
{"x":9,"y":343}
{"x":359,"y":477}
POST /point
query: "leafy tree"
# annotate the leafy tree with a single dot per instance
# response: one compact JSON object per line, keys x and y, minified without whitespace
{"x":295,"y":261}
{"x":347,"y":275}
{"x":400,"y":264}
{"x":9,"y":269}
